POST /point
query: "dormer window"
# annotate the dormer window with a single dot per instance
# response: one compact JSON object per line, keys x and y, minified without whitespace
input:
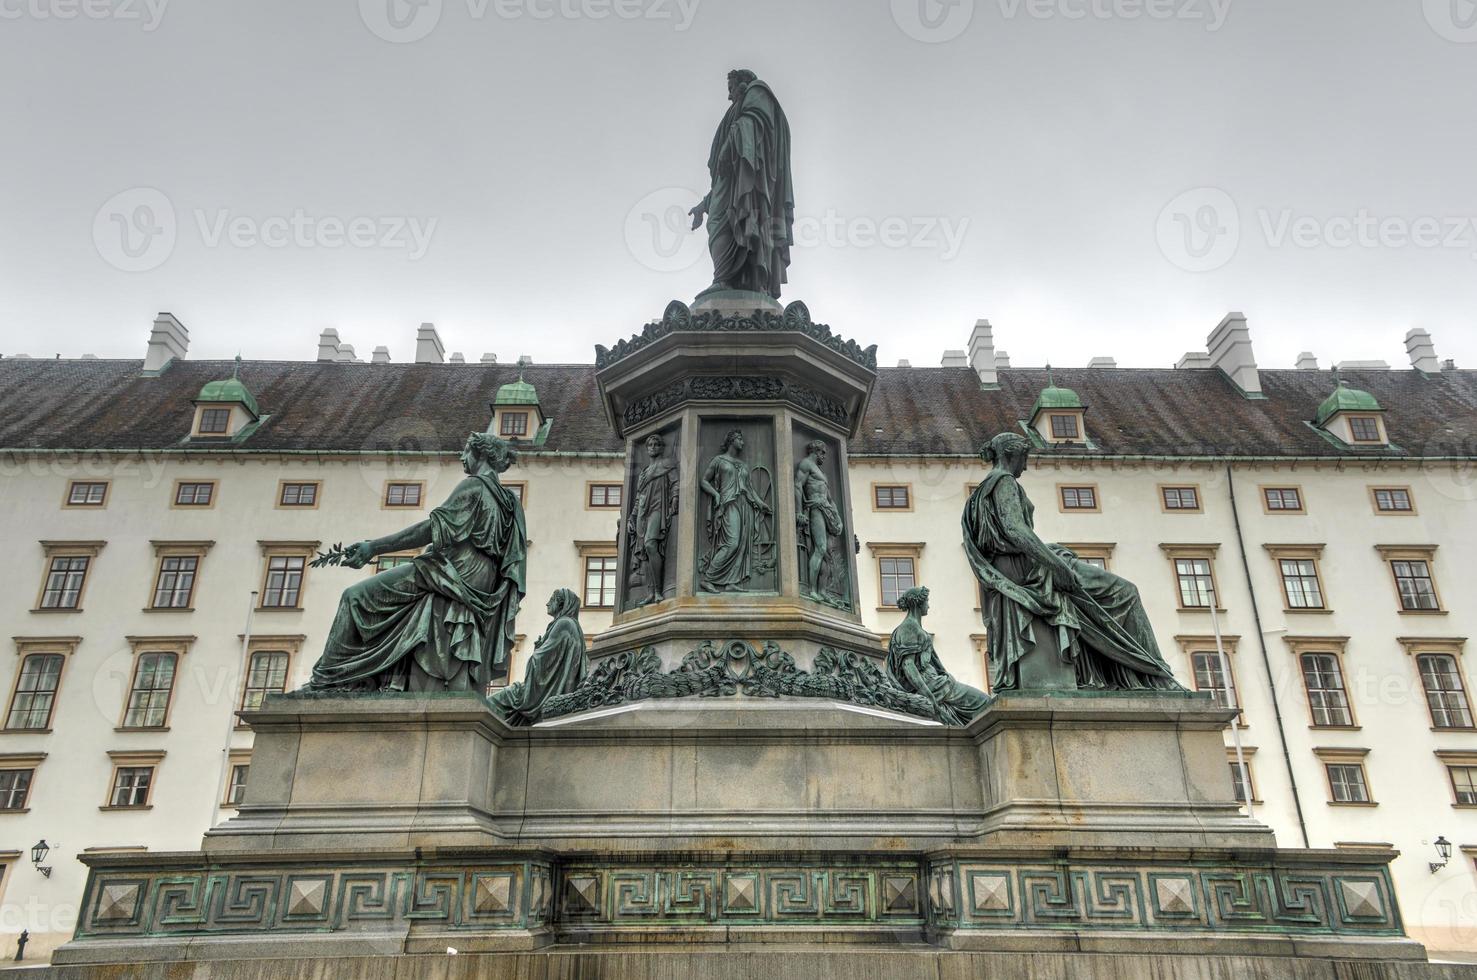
{"x":215,"y":421}
{"x":1059,"y":415}
{"x":513,"y":425}
{"x":225,"y":409}
{"x":1064,"y":427}
{"x":516,"y":413}
{"x":1352,"y":417}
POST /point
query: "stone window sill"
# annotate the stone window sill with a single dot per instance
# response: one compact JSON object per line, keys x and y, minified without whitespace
{"x":1202,"y":609}
{"x":1316,"y":612}
{"x":1453,"y":728}
{"x":279,"y":609}
{"x":19,"y":809}
{"x":141,"y":728}
{"x":1371,"y":803}
{"x":25,"y":731}
{"x":146,"y":806}
{"x":169,"y":609}
{"x":57,"y":609}
{"x":1335,"y":728}
{"x":1423,"y":612}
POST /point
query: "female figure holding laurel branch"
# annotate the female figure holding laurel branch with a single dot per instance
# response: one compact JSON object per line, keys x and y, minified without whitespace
{"x":443,"y":621}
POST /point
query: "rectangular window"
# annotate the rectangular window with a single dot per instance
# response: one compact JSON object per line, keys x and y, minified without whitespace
{"x":284,"y":581}
{"x":891,"y":497}
{"x":153,"y":682}
{"x":386,"y":562}
{"x":35,"y":692}
{"x":131,"y":786}
{"x":64,"y":581}
{"x":1300,"y":583}
{"x":176,"y":582}
{"x":15,"y":787}
{"x":1464,"y":784}
{"x":86,"y":494}
{"x":1196,"y":584}
{"x":1283,"y":499}
{"x":1079,"y":498}
{"x":299,"y":495}
{"x":1097,"y":561}
{"x":236,"y":788}
{"x":1209,"y":677}
{"x":1445,"y":695}
{"x":1346,"y":782}
{"x":1181,"y":498}
{"x":1327,"y":698}
{"x":1064,"y":427}
{"x":897,"y":576}
{"x":1365,"y":428}
{"x":600,"y":577}
{"x":266,"y":673}
{"x":214,"y":421}
{"x":1393,"y":500}
{"x":517,"y":490}
{"x":193,"y":494}
{"x":402,"y":495}
{"x":1414,"y":582}
{"x":604,"y":495}
{"x":513,"y":424}
{"x":1239,"y":787}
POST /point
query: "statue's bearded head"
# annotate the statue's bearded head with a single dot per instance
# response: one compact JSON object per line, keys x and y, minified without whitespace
{"x":738,"y":80}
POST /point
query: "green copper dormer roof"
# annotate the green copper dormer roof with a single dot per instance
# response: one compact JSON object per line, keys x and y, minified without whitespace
{"x":1346,"y":399}
{"x":1052,"y":397}
{"x":519,"y":392}
{"x":229,"y":390}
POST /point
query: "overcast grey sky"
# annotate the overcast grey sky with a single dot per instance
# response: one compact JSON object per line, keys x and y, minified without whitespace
{"x":1095,"y":176}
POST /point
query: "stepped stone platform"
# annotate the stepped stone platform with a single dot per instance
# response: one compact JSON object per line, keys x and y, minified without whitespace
{"x":1055,"y":835}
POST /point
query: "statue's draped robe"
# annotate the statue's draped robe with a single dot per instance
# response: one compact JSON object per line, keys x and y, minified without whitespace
{"x":730,"y":527}
{"x":915,"y":667}
{"x":751,"y":208}
{"x":654,"y":507}
{"x":558,"y":666}
{"x":444,"y":620}
{"x":1104,"y":632}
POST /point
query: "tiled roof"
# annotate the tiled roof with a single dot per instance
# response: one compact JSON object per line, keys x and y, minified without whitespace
{"x":325,"y":406}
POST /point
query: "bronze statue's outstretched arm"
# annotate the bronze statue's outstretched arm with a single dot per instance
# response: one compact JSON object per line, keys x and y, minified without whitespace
{"x":415,"y":536}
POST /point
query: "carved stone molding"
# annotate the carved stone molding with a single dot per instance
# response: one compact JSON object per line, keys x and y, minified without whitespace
{"x":740,"y":388}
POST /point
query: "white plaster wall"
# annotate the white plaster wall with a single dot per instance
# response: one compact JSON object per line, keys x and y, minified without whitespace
{"x":1409,"y":784}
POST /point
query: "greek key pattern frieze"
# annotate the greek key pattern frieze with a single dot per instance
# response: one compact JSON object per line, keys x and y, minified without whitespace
{"x":210,"y":902}
{"x":965,"y":895}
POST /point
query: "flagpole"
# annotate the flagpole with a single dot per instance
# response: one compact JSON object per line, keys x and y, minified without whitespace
{"x":225,"y":764}
{"x":1229,"y":680}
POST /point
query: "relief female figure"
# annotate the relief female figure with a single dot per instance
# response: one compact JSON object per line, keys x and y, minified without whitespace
{"x":731,"y":522}
{"x":652,"y":511}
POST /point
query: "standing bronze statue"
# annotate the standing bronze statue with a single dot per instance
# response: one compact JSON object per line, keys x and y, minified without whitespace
{"x":1052,"y":620}
{"x":557,"y":666}
{"x":443,"y":621}
{"x":915,"y":666}
{"x":817,"y":520}
{"x":652,"y":511}
{"x":736,"y":542}
{"x":751,"y":206}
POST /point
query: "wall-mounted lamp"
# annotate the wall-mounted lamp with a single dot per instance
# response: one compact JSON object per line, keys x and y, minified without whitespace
{"x":38,"y":854}
{"x":1443,"y":849}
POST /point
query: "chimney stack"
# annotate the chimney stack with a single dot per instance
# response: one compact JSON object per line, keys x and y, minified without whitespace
{"x":1192,"y":359}
{"x":328,"y":345}
{"x":1306,"y":361}
{"x":1102,"y":362}
{"x":346,"y":354}
{"x":457,"y":358}
{"x":428,"y":347}
{"x":168,"y":340}
{"x":524,"y":360}
{"x":955,"y":359}
{"x":381,"y":355}
{"x":1229,"y":346}
{"x":1002,"y":360}
{"x":904,"y":362}
{"x":489,"y":358}
{"x":1422,"y":351}
{"x":982,"y":352}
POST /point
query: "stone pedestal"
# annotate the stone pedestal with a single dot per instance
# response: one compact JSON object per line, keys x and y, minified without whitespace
{"x":1050,"y":823}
